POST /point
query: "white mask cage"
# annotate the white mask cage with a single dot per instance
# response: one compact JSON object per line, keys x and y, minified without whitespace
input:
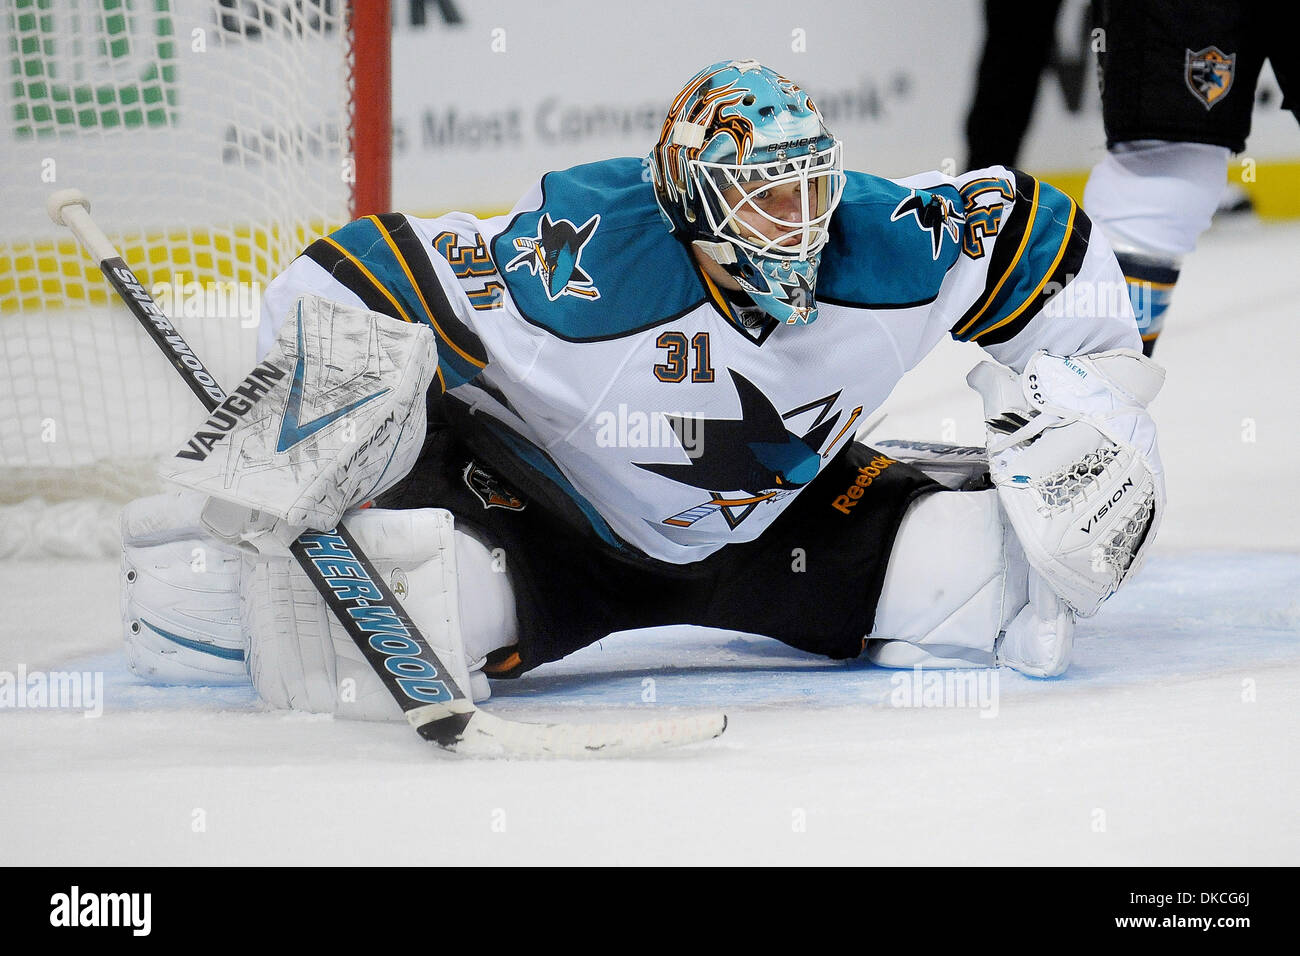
{"x":800,"y":224}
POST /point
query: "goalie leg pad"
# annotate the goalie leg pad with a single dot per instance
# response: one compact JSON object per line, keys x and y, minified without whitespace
{"x":959,"y":592}
{"x":180,"y":596}
{"x":455,"y":591}
{"x":956,"y":579}
{"x":1040,"y":639}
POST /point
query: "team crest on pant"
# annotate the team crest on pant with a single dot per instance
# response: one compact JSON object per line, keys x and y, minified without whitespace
{"x":491,"y":490}
{"x":554,"y":254}
{"x":1209,"y":74}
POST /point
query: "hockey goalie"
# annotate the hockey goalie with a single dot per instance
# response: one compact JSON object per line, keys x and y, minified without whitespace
{"x":633,"y":401}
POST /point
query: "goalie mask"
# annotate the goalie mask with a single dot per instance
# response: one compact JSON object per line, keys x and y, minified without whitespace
{"x":746,"y":170}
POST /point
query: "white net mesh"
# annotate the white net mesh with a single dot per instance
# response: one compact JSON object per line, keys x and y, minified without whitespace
{"x":211,"y":138}
{"x":1062,"y":490}
{"x":1120,"y":547}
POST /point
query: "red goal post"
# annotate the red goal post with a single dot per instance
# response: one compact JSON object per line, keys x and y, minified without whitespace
{"x":372,"y":93}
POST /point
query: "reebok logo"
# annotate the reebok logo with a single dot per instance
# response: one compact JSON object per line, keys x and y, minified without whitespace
{"x":866,"y":475}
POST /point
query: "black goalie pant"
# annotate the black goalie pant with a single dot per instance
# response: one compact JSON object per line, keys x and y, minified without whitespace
{"x":1185,"y":70}
{"x":812,"y":580}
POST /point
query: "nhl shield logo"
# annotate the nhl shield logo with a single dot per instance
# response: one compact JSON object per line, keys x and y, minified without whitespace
{"x":490,"y":489}
{"x":1209,"y":74}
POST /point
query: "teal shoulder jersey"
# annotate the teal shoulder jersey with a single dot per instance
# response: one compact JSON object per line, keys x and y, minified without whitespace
{"x":579,"y":331}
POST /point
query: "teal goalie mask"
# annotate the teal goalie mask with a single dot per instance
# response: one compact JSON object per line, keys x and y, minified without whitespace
{"x":746,"y":170}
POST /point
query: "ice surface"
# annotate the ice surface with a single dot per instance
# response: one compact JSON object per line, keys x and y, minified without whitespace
{"x":1171,"y":740}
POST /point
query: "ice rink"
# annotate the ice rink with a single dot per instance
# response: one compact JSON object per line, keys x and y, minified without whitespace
{"x":1171,"y":740}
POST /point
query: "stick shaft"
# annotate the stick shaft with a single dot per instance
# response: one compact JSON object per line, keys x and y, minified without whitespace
{"x":137,"y":298}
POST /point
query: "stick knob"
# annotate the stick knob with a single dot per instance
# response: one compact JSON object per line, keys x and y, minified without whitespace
{"x":57,"y":201}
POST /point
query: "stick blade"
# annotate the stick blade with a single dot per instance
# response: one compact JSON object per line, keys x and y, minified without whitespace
{"x":488,"y":736}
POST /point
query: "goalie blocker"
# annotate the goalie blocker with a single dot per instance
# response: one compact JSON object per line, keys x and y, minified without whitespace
{"x":330,"y":418}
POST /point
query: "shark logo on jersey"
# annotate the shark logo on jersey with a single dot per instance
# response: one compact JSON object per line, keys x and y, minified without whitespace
{"x":935,"y":214}
{"x":554,"y":253}
{"x":755,"y":454}
{"x":1208,"y":74}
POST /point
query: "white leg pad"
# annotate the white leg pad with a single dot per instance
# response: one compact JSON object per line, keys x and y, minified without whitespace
{"x":487,"y":602}
{"x":1040,"y":640}
{"x":956,"y":578}
{"x":180,"y":595}
{"x":301,"y":658}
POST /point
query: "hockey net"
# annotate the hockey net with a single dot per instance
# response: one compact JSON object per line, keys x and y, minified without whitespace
{"x":215,"y":139}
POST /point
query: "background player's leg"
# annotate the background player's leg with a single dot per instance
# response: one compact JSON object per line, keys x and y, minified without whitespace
{"x":1018,"y":41}
{"x":1153,"y":199}
{"x":1177,"y":87}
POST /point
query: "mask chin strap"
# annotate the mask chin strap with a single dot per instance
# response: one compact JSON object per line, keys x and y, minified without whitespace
{"x":723,"y":253}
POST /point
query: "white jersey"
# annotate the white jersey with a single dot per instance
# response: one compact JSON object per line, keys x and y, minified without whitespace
{"x":581,"y":337}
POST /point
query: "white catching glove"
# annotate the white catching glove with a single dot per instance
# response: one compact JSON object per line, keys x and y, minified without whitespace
{"x":1072,"y":452}
{"x":180,"y":595}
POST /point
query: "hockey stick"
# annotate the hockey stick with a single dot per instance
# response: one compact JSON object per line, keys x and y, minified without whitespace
{"x":363,"y":602}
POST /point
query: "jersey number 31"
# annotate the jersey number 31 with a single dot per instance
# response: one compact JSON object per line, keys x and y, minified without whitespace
{"x":673,"y":368}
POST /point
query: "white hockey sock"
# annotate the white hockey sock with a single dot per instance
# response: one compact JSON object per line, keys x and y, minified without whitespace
{"x":1156,"y":197}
